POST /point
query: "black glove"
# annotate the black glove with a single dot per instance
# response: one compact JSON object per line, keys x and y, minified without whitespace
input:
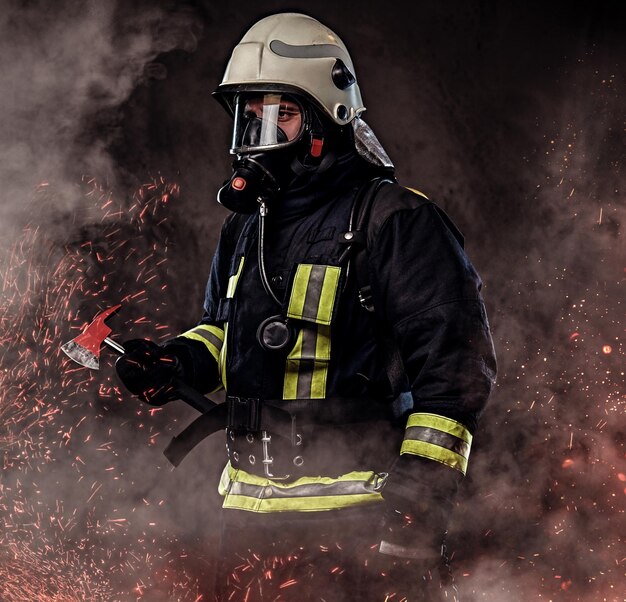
{"x":418,"y":496}
{"x":148,"y":370}
{"x":410,"y":537}
{"x":410,"y":563}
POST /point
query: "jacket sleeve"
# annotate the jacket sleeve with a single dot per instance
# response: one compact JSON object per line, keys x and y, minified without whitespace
{"x":427,"y":294}
{"x":199,"y":348}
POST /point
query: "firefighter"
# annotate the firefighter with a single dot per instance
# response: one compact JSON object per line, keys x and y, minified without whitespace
{"x":345,"y":323}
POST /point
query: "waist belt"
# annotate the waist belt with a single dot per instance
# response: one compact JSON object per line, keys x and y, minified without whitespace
{"x":244,"y":414}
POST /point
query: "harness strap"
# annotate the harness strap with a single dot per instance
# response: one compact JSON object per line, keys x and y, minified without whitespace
{"x":365,"y":210}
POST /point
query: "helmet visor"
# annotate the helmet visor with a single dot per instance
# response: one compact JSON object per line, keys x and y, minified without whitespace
{"x":265,"y":121}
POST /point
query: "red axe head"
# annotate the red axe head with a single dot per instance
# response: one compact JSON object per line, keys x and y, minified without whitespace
{"x":85,"y":348}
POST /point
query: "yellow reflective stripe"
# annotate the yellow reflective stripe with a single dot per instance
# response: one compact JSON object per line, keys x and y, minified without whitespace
{"x":308,"y":504}
{"x":221,"y":362}
{"x":232,"y":281}
{"x":296,"y":352}
{"x":417,"y":192}
{"x":312,"y":343}
{"x":225,"y":480}
{"x":211,"y":336}
{"x":328,"y":294}
{"x":290,"y":386}
{"x":263,"y":501}
{"x":306,"y":367}
{"x":230,"y":293}
{"x":214,"y":330}
{"x":298,"y":291}
{"x":437,"y":438}
{"x":434,"y":452}
{"x":305,"y":379}
{"x":318,"y":380}
{"x":313,"y":293}
{"x":213,"y":350}
{"x":322,"y":344}
{"x":241,"y":476}
{"x":441,"y":423}
{"x":292,"y":368}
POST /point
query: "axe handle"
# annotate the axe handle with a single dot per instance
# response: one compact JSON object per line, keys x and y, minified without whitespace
{"x":111,"y":343}
{"x":192,"y":397}
{"x":188,"y":394}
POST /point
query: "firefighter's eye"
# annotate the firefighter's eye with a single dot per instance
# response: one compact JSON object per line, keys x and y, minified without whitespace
{"x":286,"y":113}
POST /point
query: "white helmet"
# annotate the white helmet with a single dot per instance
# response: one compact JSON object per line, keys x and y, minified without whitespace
{"x":291,"y":52}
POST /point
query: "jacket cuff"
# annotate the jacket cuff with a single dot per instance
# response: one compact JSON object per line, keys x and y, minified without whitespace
{"x":211,"y":337}
{"x":433,"y":460}
{"x":437,"y":438}
{"x":198,"y":353}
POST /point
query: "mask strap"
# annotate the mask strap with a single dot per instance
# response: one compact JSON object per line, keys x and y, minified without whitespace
{"x":300,"y":169}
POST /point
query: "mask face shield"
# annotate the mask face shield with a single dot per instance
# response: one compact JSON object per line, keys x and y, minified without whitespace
{"x":266,"y":121}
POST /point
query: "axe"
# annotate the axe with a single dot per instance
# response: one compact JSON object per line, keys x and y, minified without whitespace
{"x":85,"y":350}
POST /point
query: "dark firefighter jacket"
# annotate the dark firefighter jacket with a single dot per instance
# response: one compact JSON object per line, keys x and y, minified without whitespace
{"x":349,"y":444}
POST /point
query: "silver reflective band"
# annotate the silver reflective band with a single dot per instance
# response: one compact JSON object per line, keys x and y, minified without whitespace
{"x":392,"y":549}
{"x":423,"y":433}
{"x":368,"y":146}
{"x":309,"y":51}
{"x":308,"y":490}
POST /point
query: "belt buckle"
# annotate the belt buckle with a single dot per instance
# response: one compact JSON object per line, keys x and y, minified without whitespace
{"x":244,"y":413}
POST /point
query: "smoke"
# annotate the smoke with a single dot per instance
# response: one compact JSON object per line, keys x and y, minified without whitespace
{"x":66,"y":69}
{"x":72,"y":529}
{"x":547,"y":478}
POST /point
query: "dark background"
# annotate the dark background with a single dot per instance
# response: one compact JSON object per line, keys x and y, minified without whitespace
{"x":511,"y":115}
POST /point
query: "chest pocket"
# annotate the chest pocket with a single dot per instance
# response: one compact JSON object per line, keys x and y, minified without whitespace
{"x":312,"y":301}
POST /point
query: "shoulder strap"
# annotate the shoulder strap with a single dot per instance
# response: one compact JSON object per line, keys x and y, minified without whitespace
{"x":363,"y":212}
{"x":360,"y":222}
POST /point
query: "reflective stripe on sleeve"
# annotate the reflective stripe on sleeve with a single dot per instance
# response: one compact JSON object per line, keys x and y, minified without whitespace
{"x":245,"y":491}
{"x":313,"y":293}
{"x":211,"y":336}
{"x":437,"y":438}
